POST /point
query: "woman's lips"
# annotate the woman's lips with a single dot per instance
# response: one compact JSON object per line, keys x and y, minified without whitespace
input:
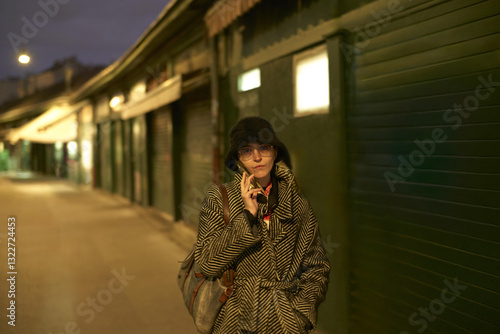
{"x":259,"y":167}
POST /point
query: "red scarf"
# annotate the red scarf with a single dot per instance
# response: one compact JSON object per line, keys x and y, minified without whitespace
{"x":267,"y":216}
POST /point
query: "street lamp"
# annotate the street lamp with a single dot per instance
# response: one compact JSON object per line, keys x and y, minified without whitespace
{"x":23,"y":57}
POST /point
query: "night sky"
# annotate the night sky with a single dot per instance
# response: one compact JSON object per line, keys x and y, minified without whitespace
{"x":96,"y":31}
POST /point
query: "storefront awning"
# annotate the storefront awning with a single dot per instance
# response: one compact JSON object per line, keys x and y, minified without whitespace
{"x":168,"y":92}
{"x":59,"y":123}
{"x":224,"y":12}
{"x":29,"y":110}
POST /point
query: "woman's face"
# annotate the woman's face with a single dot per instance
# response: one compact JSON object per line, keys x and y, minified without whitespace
{"x":261,"y":162}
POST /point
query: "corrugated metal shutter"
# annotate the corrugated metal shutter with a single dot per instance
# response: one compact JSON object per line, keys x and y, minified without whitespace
{"x":118,"y":157}
{"x":162,"y":169}
{"x":4,"y":161}
{"x":105,"y":156}
{"x":427,"y":75}
{"x":140,"y":161}
{"x":128,"y":155}
{"x":196,"y":155}
{"x":49,"y":160}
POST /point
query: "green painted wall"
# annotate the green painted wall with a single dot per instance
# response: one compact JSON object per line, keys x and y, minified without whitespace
{"x":316,"y":147}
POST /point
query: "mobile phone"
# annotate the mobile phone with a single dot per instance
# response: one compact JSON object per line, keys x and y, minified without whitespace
{"x":254,"y":183}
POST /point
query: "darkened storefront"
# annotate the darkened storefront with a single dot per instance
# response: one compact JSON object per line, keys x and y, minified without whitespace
{"x":401,"y":165}
{"x":423,"y":156}
{"x":128,"y":152}
{"x":194,"y":133}
{"x":119,"y":175}
{"x":162,"y":160}
{"x":106,"y":156}
{"x":140,"y":160}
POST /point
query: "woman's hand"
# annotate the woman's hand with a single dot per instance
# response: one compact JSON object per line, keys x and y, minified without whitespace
{"x":249,"y":195}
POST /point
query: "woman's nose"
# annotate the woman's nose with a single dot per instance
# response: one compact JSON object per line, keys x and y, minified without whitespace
{"x":256,"y":155}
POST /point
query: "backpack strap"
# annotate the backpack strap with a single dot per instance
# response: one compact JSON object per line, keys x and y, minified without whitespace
{"x":227,"y":278}
{"x":225,"y":202}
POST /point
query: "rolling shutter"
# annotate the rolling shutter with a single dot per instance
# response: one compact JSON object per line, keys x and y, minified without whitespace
{"x":196,"y":153}
{"x":424,"y":160}
{"x":128,"y":157}
{"x":118,"y":157}
{"x":140,"y":160}
{"x":163,"y":188}
{"x":106,"y":129}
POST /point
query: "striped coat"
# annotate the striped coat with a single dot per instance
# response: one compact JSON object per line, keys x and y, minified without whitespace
{"x":281,"y":273}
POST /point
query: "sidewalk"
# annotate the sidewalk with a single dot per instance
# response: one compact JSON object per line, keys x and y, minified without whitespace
{"x":89,"y":262}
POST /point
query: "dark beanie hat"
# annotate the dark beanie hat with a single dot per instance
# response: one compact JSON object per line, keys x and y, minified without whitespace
{"x":253,"y":130}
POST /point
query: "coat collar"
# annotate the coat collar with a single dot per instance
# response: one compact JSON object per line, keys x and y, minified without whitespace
{"x":281,"y":219}
{"x":282,"y":222}
{"x":286,"y":183}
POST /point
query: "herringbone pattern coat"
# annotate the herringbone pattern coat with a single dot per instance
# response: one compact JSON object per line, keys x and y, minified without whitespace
{"x":281,"y":272}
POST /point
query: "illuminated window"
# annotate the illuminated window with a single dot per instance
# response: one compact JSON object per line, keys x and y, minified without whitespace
{"x":249,"y":80}
{"x":311,"y":85}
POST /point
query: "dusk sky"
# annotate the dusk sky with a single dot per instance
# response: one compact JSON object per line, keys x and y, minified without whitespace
{"x":97,"y":32}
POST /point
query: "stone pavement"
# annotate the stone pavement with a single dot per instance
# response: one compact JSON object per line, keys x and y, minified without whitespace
{"x":88,"y":262}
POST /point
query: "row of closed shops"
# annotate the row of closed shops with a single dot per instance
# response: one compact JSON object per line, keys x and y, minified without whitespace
{"x":423,"y":155}
{"x":162,"y":158}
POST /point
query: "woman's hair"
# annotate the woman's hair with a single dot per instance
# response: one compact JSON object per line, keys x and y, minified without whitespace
{"x":254,"y":130}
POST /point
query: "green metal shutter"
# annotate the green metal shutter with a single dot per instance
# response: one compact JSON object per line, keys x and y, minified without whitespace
{"x":162,"y":168}
{"x":140,"y":161}
{"x":106,"y":156}
{"x":118,"y":158}
{"x":96,"y":157}
{"x":128,"y":155}
{"x":4,"y":161}
{"x":196,"y":153}
{"x":426,"y":221}
{"x":49,"y":159}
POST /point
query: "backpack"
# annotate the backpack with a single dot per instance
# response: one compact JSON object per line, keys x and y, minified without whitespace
{"x":204,"y":296}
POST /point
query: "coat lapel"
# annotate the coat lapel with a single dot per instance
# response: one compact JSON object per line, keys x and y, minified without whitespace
{"x":282,"y":222}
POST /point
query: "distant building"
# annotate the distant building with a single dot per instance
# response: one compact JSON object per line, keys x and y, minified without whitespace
{"x":28,"y":108}
{"x":9,"y":89}
{"x":61,"y":70}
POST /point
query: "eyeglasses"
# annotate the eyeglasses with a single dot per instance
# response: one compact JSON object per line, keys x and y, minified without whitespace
{"x":265,"y":150}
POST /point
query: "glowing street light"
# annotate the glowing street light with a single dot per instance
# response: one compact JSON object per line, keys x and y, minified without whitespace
{"x":23,"y":57}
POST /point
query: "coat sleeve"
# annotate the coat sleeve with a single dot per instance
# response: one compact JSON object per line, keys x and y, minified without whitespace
{"x":218,"y":245}
{"x":315,"y":270}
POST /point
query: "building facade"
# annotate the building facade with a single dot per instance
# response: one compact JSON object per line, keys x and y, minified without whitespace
{"x":399,"y":156}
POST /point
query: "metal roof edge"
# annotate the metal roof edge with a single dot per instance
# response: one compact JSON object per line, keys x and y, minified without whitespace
{"x":166,"y":16}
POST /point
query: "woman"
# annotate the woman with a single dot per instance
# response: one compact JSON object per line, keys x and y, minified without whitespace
{"x":272,"y":240}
